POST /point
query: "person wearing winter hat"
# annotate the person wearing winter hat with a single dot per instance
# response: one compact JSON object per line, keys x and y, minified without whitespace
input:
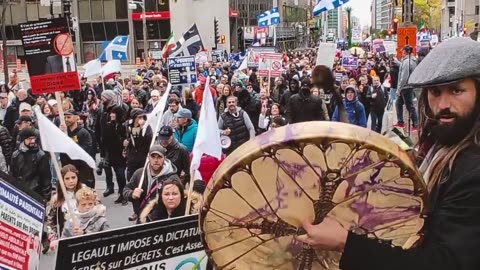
{"x":31,"y":166}
{"x":354,"y":108}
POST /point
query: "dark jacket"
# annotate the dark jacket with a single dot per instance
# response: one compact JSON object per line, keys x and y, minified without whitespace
{"x":452,"y":228}
{"x":305,"y":107}
{"x":149,"y":192}
{"x":31,"y":166}
{"x":114,"y":135}
{"x":83,"y":138}
{"x":11,"y":116}
{"x":239,"y":131}
{"x":178,"y":155}
{"x":378,"y":103}
{"x":6,"y":143}
{"x":193,"y":107}
{"x":138,"y":146}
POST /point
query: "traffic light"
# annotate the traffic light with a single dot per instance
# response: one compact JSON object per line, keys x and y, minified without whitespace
{"x":217,"y":32}
{"x":464,"y":31}
{"x":151,"y":30}
{"x":67,"y":5}
{"x":394,"y":26}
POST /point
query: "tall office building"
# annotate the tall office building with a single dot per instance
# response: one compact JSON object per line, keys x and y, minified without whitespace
{"x":457,"y":13}
{"x":382,"y":11}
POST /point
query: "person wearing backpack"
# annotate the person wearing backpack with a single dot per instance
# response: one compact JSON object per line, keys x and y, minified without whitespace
{"x":355,"y":109}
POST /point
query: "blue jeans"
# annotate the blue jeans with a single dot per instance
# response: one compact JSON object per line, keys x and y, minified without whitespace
{"x":406,"y":98}
{"x":377,"y":120}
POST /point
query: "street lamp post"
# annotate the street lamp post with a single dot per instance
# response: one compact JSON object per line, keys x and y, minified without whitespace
{"x":144,"y":22}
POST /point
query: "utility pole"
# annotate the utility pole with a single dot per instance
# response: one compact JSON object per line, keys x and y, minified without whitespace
{"x":4,"y":40}
{"x":407,"y":11}
{"x":131,"y":36}
{"x":145,"y":40}
{"x":76,"y":30}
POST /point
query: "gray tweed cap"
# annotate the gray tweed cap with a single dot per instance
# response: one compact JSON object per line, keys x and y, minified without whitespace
{"x":452,"y":60}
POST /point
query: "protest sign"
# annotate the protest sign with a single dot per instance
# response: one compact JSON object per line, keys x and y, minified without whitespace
{"x":326,"y":54}
{"x":218,"y":56}
{"x":253,"y":55}
{"x":390,"y":47}
{"x":50,"y":56}
{"x":21,"y":226}
{"x":350,"y":61}
{"x":378,"y":46}
{"x":357,"y":35}
{"x":156,"y":54}
{"x":163,"y":245}
{"x":201,"y":58}
{"x":182,"y":70}
{"x":270,"y":64}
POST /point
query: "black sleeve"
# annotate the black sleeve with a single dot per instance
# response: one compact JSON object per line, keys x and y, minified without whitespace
{"x":452,"y":241}
{"x":45,"y":176}
{"x":132,"y":185}
{"x":85,"y":140}
{"x":185,"y":166}
{"x":6,"y":144}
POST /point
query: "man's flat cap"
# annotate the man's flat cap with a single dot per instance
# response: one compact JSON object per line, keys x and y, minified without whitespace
{"x":451,"y":61}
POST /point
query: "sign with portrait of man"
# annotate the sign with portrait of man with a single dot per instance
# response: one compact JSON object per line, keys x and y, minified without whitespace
{"x":50,"y":56}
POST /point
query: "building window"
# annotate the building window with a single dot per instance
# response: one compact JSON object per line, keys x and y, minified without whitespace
{"x":121,"y":9}
{"x":86,"y":31}
{"x":477,"y":10}
{"x":109,"y":9}
{"x":111,"y":30}
{"x":122,"y":28}
{"x":98,"y":32}
{"x":97,"y":10}
{"x":84,"y":10}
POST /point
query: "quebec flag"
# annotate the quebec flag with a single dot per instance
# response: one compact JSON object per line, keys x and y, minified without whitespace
{"x":326,"y":5}
{"x":116,"y":49}
{"x":269,"y":17}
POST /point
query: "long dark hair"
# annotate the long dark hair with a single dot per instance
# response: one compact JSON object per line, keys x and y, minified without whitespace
{"x":66,"y":169}
{"x":425,"y":140}
{"x":180,"y":210}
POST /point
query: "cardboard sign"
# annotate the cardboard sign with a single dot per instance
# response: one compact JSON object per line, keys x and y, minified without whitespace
{"x":351,"y":62}
{"x":326,"y":54}
{"x":270,"y":64}
{"x":156,"y":54}
{"x":50,"y":56}
{"x":253,"y":55}
{"x":406,"y":35}
{"x":21,"y":226}
{"x":163,"y":245}
{"x":182,"y":70}
{"x":390,"y":46}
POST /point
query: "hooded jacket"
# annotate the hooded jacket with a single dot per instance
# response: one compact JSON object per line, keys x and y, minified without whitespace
{"x":355,"y":112}
{"x":169,"y":171}
{"x":305,"y":107}
{"x":186,"y":135}
{"x":178,"y":155}
{"x":90,"y":222}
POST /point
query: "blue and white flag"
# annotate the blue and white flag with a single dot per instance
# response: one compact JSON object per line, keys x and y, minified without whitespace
{"x":326,"y":5}
{"x":116,"y":50}
{"x":269,"y":17}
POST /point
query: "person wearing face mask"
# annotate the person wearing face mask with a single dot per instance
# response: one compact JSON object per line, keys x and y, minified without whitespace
{"x":304,"y":106}
{"x":31,"y":166}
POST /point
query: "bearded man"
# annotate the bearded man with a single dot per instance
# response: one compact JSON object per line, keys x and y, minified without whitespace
{"x":449,"y":141}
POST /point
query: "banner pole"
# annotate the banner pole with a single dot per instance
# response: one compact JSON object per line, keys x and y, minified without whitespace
{"x":190,"y":191}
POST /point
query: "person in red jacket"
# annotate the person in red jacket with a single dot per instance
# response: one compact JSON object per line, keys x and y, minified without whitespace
{"x":198,"y":94}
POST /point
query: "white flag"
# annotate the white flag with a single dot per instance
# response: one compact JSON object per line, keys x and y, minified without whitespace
{"x":154,"y":118}
{"x":111,"y":67}
{"x":243,"y":65}
{"x":54,"y":140}
{"x":92,"y":68}
{"x":208,"y":134}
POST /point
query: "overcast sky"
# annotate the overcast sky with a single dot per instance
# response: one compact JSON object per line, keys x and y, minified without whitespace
{"x":361,"y":9}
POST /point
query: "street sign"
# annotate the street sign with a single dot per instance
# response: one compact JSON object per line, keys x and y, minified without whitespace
{"x":406,"y":35}
{"x":270,"y":64}
{"x":132,"y":6}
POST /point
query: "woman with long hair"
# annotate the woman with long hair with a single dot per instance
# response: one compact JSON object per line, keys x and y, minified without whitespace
{"x":58,"y":204}
{"x":222,"y":101}
{"x":170,"y":202}
{"x":267,"y":115}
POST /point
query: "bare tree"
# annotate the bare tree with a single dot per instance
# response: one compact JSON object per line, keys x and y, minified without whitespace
{"x":4,"y":38}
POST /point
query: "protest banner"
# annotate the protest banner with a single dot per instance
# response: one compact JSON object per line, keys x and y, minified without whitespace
{"x":270,"y":64}
{"x":21,"y":226}
{"x":357,"y":35}
{"x":253,"y":55}
{"x":326,"y":54}
{"x":350,"y":61}
{"x":218,"y":56}
{"x":182,"y":70}
{"x":50,"y":56}
{"x":163,"y":245}
{"x":390,"y":46}
{"x":201,"y":58}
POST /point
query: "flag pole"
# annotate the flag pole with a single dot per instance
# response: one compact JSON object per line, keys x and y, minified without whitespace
{"x":190,"y":191}
{"x":55,"y":162}
{"x":154,"y":136}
